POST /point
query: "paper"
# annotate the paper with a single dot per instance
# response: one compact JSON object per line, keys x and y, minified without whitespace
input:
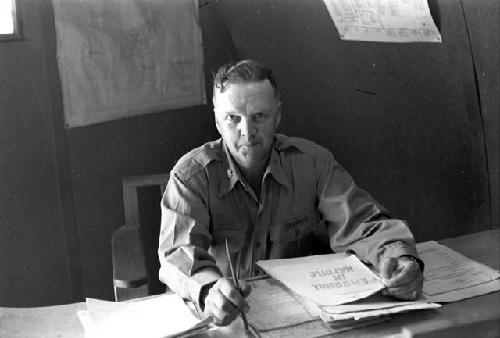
{"x":275,"y":312}
{"x":373,"y":306}
{"x":272,"y":306}
{"x":7,"y":12}
{"x":378,"y":312}
{"x":326,"y":279}
{"x":127,"y":57}
{"x":375,"y":302}
{"x":345,"y":325}
{"x":153,"y":317}
{"x":450,"y":276}
{"x":383,"y":20}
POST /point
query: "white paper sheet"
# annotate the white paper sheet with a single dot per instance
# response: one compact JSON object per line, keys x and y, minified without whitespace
{"x":154,"y":317}
{"x":378,"y":312}
{"x":450,"y":276}
{"x":383,"y":20}
{"x":325,"y":279}
{"x":275,"y":312}
{"x":272,"y":306}
{"x":375,"y":302}
{"x":310,"y":329}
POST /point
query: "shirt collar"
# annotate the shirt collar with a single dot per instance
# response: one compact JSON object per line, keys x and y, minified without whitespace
{"x":232,"y":174}
{"x":275,"y":169}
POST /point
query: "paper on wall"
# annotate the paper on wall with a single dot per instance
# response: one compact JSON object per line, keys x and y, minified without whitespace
{"x":126,"y":58}
{"x":383,"y":20}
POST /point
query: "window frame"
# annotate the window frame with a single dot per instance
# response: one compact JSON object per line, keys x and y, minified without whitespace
{"x":16,"y":34}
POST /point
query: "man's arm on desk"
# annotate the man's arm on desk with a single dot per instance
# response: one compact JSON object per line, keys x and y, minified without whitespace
{"x":357,"y":223}
{"x":186,"y":266}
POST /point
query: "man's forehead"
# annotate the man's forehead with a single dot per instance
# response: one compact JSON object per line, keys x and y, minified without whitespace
{"x":257,"y":93}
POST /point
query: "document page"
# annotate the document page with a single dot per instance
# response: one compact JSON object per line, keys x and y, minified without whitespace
{"x":272,"y":306}
{"x":325,"y":279}
{"x":383,"y":20}
{"x":275,"y":312}
{"x":450,"y":276}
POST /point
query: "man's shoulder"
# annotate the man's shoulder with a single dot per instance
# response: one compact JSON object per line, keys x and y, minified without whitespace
{"x":196,"y":160}
{"x":302,"y":145}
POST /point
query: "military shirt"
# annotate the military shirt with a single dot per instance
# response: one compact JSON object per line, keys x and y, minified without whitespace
{"x":307,"y":202}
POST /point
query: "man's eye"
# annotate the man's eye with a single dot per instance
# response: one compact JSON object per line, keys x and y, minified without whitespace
{"x":233,"y":118}
{"x":259,"y":117}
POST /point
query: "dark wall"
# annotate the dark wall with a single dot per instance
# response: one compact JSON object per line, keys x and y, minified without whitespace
{"x":483,"y":29}
{"x":35,"y":263}
{"x":404,"y":119}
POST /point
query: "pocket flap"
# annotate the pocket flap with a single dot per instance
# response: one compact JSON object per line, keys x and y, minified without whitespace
{"x":295,"y":227}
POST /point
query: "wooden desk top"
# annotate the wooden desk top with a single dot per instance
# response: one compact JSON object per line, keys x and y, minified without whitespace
{"x":62,"y":321}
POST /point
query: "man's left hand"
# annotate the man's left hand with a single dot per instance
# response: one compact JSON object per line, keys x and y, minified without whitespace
{"x":402,"y":277}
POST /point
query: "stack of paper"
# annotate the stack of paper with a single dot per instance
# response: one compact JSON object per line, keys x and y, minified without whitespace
{"x":160,"y":316}
{"x":325,"y":279}
{"x":338,"y":288}
{"x":275,"y":311}
{"x":374,"y":306}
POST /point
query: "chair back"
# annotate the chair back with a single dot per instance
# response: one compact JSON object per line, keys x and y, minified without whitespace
{"x":135,"y":244}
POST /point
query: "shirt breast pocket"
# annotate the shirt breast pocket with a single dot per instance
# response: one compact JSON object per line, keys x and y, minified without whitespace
{"x":294,"y":237}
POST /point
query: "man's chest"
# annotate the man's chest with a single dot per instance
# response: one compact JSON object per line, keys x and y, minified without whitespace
{"x":278,"y":224}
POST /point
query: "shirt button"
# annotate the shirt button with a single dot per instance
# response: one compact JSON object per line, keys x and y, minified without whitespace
{"x":257,"y":245}
{"x":229,"y":173}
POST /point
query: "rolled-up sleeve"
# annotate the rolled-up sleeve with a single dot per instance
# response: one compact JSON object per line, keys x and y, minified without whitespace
{"x":355,"y":221}
{"x":186,"y":265}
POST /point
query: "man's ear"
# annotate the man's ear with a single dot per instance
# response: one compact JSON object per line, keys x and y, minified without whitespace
{"x":217,"y":125}
{"x":278,"y":115}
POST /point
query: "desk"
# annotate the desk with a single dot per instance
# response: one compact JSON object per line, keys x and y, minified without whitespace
{"x":480,"y":315}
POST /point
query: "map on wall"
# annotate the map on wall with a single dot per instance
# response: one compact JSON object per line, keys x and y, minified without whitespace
{"x":127,"y":57}
{"x":383,"y":20}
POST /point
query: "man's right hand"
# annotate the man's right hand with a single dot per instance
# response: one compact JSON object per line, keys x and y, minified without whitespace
{"x":224,"y":302}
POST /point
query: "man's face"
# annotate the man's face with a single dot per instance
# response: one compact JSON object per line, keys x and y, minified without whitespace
{"x":246,"y":116}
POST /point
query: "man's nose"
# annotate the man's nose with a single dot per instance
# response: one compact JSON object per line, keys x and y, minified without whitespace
{"x":247,"y":127}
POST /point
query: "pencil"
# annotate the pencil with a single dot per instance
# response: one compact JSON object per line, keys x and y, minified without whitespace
{"x":236,"y":281}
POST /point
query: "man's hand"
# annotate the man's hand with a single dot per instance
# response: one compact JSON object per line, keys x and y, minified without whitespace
{"x":224,"y":302}
{"x":402,"y":277}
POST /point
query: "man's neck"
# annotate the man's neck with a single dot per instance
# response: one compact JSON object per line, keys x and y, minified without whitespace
{"x":254,"y":177}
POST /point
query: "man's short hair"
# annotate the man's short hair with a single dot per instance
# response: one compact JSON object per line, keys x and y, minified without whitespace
{"x":242,"y":72}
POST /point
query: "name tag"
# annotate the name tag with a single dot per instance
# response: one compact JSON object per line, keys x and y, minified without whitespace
{"x":296,"y":221}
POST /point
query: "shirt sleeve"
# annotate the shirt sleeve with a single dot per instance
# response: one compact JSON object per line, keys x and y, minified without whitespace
{"x":355,"y":221}
{"x":185,"y":263}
